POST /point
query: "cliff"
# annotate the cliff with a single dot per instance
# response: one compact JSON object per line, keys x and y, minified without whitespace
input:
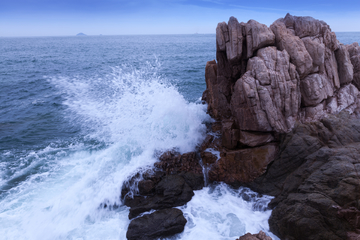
{"x":287,"y":107}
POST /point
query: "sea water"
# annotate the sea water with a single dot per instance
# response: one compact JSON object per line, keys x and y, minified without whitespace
{"x":79,"y":115}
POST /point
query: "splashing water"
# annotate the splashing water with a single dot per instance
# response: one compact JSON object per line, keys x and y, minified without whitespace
{"x":124,"y":118}
{"x":219,"y":212}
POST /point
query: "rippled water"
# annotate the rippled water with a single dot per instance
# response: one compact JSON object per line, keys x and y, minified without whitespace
{"x":78,"y":115}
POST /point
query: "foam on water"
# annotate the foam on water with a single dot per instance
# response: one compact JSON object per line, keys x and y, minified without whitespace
{"x":126,"y":116}
{"x":221,"y":213}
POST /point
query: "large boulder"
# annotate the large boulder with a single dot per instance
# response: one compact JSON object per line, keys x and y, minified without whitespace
{"x":159,"y":224}
{"x":257,"y":36}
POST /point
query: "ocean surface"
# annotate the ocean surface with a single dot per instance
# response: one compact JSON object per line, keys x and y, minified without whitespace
{"x":79,"y":115}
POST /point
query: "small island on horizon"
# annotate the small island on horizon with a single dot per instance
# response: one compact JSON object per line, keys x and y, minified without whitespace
{"x":81,"y":34}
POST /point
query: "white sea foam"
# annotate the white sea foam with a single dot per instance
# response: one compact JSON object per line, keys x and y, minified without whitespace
{"x":221,"y":213}
{"x":133,"y":112}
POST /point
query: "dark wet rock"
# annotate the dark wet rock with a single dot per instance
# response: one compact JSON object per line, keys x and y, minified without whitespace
{"x":186,"y":165}
{"x":146,"y":187}
{"x":169,"y":184}
{"x":174,"y":162}
{"x":206,"y":143}
{"x":208,"y":157}
{"x":194,"y":180}
{"x":315,"y":176}
{"x":171,"y":191}
{"x":243,"y":165}
{"x":253,"y":139}
{"x":229,"y":134}
{"x":259,"y":236}
{"x":162,"y":223}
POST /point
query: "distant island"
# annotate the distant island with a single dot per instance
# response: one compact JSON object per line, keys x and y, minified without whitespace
{"x":81,"y":34}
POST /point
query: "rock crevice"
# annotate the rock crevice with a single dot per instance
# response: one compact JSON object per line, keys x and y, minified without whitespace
{"x":287,"y":107}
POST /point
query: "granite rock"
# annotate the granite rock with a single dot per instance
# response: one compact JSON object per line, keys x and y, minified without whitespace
{"x":299,"y":56}
{"x":346,"y":70}
{"x":354,"y":51}
{"x":267,"y":97}
{"x":257,"y":36}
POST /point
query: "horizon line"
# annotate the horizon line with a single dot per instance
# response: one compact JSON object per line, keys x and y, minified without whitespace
{"x":136,"y":34}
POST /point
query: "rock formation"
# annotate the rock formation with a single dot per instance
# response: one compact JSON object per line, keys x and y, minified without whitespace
{"x":287,"y":109}
{"x":316,"y":180}
{"x":286,"y":105}
{"x":170,"y":183}
{"x":267,"y":79}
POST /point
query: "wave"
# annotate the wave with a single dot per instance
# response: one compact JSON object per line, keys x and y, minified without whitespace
{"x":124,"y":116}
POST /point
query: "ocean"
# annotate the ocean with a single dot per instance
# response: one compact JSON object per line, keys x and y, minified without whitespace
{"x":81,"y":114}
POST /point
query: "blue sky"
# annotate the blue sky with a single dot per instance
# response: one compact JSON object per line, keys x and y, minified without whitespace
{"x":117,"y":17}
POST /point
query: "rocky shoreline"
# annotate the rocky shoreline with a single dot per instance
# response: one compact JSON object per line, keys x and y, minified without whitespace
{"x":286,"y":105}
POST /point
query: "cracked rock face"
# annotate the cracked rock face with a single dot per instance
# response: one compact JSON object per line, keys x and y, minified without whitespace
{"x":267,"y":78}
{"x":316,"y":181}
{"x":267,"y":97}
{"x":288,"y":95}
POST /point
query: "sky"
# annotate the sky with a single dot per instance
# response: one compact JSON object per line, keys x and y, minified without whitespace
{"x":120,"y":17}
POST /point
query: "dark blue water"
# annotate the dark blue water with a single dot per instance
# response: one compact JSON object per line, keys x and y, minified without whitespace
{"x":30,"y":103}
{"x":79,"y":114}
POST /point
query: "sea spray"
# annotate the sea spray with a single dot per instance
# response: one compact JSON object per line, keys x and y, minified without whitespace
{"x":128,"y":114}
{"x":124,"y":117}
{"x":220,"y":212}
